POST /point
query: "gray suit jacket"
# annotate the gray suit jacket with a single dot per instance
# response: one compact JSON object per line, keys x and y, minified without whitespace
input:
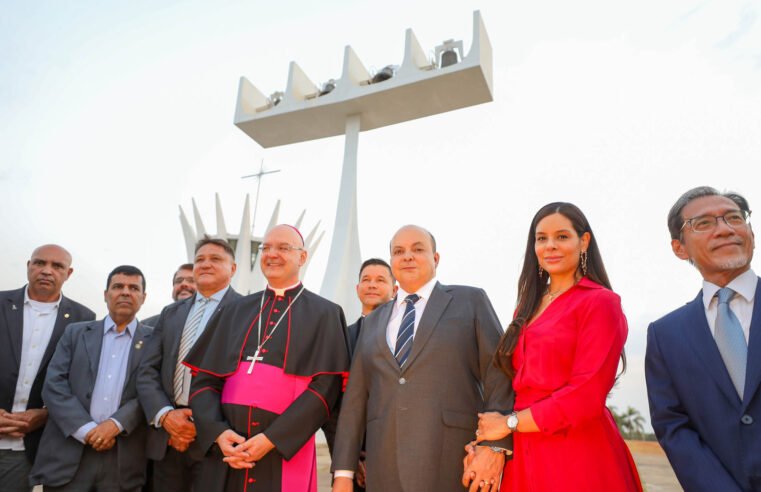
{"x":67,"y":393}
{"x":419,"y":419}
{"x":11,"y":336}
{"x":155,"y":381}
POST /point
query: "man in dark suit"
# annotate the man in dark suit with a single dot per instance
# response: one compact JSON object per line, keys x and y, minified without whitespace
{"x":95,"y":439}
{"x":32,"y":321}
{"x":164,"y":383}
{"x":376,"y":287}
{"x":183,"y":287}
{"x":421,"y":372}
{"x":703,"y":362}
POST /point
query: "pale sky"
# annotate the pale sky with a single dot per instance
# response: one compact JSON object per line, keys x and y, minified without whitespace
{"x":116,"y":113}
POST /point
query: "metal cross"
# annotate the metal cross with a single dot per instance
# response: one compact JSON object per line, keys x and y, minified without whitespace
{"x":258,"y":175}
{"x":253,"y":359}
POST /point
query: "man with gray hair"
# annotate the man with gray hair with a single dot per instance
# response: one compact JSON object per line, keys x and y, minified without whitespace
{"x":703,"y":362}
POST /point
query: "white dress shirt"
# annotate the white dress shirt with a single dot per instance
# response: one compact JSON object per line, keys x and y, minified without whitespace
{"x":39,"y":321}
{"x":397,"y":314}
{"x":741,"y":304}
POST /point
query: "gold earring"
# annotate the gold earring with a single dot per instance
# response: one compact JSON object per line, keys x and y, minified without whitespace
{"x":584,"y":263}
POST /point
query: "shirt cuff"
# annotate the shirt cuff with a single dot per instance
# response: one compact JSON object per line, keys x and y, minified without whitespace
{"x":119,"y":425}
{"x":156,"y":422}
{"x":81,"y":433}
{"x":343,"y":473}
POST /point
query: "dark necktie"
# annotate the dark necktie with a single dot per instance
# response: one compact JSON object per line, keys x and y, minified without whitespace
{"x":406,"y":329}
{"x":730,"y":340}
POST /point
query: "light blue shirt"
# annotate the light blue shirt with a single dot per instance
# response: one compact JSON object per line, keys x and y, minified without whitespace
{"x":112,"y":372}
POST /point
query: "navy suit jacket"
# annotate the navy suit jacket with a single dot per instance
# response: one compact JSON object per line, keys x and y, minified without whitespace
{"x":11,"y":336}
{"x":68,"y":393}
{"x":711,"y":437}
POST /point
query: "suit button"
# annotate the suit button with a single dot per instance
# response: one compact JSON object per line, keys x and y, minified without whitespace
{"x":746,"y":419}
{"x":402,"y":381}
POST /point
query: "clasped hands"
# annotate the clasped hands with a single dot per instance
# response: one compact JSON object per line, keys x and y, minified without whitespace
{"x":17,"y":424}
{"x":241,"y":453}
{"x":483,"y":466}
{"x":180,"y":427}
{"x":102,"y":437}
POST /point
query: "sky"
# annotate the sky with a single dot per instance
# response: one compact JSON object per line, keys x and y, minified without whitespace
{"x":117,"y":113}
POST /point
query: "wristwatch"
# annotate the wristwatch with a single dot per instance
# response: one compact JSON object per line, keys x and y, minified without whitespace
{"x":512,"y":422}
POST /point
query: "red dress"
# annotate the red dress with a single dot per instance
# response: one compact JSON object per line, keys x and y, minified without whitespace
{"x":566,"y":362}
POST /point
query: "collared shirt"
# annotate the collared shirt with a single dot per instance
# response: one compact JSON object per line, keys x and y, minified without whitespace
{"x":280,"y":292}
{"x":211,"y":307}
{"x":112,"y":373}
{"x":37,"y":328}
{"x":398,"y":311}
{"x":741,"y":304}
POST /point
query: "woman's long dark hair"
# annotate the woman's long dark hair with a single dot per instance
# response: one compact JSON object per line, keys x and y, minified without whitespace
{"x":532,"y":286}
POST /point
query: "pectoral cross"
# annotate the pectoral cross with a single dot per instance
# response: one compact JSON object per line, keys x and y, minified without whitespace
{"x":253,"y":359}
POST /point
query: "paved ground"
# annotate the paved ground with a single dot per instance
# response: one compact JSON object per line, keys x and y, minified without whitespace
{"x":654,"y":468}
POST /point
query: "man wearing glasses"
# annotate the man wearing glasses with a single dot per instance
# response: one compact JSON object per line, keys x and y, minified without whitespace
{"x":183,"y":287}
{"x":703,"y":362}
{"x":268,"y":371}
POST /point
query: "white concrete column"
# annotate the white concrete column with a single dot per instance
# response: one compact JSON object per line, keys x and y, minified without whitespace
{"x":345,"y":259}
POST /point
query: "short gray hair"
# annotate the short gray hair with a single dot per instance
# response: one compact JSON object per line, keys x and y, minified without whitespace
{"x":675,"y":219}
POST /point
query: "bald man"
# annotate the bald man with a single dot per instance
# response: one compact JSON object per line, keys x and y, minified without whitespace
{"x":266,"y":380}
{"x":32,"y":320}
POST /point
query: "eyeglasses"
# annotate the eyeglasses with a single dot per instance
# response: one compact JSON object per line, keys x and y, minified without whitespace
{"x":280,"y":248}
{"x":706,"y":223}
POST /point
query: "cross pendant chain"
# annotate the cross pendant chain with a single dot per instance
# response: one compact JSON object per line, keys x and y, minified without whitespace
{"x":253,"y":359}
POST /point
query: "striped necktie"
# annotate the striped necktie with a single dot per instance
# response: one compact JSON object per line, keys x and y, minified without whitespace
{"x":406,"y":330}
{"x":731,"y":341}
{"x":186,"y":343}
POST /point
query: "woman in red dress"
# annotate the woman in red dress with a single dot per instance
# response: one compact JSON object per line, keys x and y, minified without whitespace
{"x":561,"y":353}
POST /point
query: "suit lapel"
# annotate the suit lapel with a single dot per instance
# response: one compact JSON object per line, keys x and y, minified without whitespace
{"x":384,"y":316}
{"x":434,"y":308}
{"x":135,"y":352}
{"x":181,"y":315}
{"x":753,"y":371}
{"x":14,"y":316}
{"x":698,"y":333}
{"x":93,"y":336}
{"x":63,"y":318}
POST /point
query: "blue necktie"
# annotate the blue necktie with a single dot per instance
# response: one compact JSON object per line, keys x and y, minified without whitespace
{"x":406,"y":329}
{"x":731,"y":341}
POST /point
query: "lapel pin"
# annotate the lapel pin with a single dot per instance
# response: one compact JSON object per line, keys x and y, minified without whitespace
{"x":66,"y":315}
{"x":13,"y":307}
{"x":139,"y":345}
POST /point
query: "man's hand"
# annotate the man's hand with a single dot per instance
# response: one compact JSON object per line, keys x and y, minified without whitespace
{"x":179,"y":425}
{"x":10,"y":425}
{"x":103,"y":436}
{"x":343,"y":484}
{"x":178,"y":444}
{"x":257,"y":447}
{"x":484,"y":471}
{"x":361,"y":473}
{"x":229,"y":443}
{"x":492,"y":426}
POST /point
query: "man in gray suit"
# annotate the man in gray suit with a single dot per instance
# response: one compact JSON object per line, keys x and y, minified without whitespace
{"x":421,"y":373}
{"x":95,"y":439}
{"x":163,"y":383}
{"x":32,"y":319}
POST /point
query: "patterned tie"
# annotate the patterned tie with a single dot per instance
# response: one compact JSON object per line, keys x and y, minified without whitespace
{"x":406,"y":329}
{"x":731,"y":340}
{"x":186,"y":342}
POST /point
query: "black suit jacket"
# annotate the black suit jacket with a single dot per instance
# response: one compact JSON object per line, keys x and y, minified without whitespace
{"x":155,"y":383}
{"x":11,"y":336}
